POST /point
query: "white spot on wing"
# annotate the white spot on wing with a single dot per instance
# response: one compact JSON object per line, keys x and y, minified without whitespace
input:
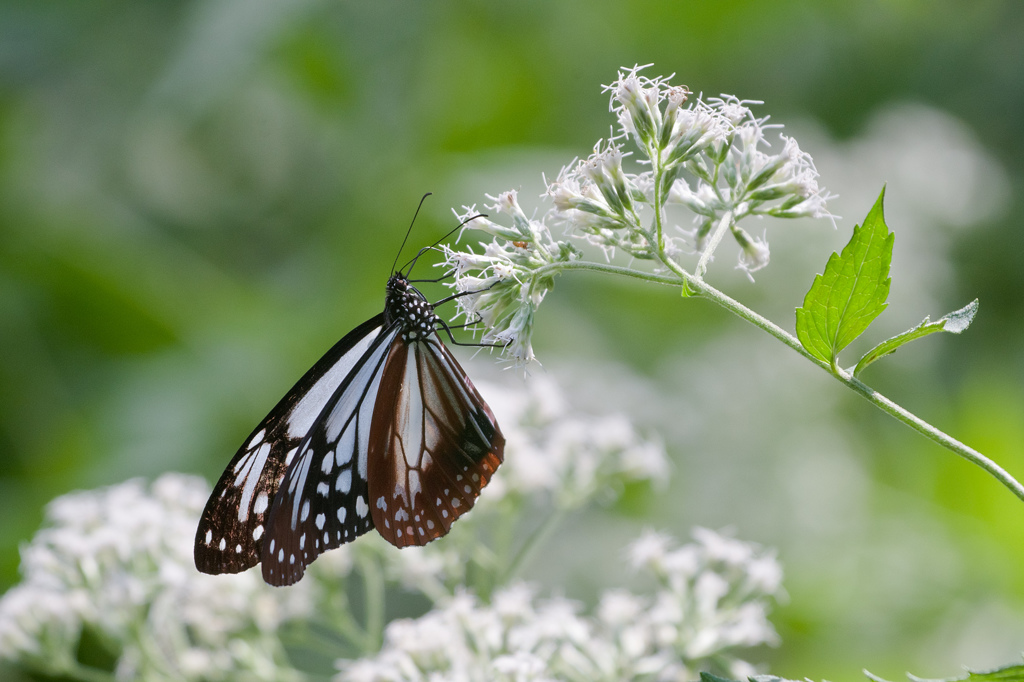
{"x":251,"y":476}
{"x":361,"y":507}
{"x":344,"y":483}
{"x":261,"y":503}
{"x":320,"y":519}
{"x":414,"y":486}
{"x":345,"y":448}
{"x":256,"y":439}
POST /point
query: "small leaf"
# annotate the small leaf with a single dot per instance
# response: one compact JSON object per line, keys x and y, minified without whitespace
{"x":1009,"y":673}
{"x":954,"y":323}
{"x":851,"y":293}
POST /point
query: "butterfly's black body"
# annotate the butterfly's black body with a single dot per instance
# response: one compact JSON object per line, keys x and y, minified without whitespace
{"x":385,"y":431}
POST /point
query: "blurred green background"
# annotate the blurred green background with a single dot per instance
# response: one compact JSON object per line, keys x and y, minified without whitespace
{"x":198,"y":198}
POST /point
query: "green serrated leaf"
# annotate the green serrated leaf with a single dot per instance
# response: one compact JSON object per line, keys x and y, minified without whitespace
{"x":852,"y":291}
{"x":1009,"y":673}
{"x":954,"y":323}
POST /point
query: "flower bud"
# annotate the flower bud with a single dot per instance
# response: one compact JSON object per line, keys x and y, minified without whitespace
{"x":754,"y":252}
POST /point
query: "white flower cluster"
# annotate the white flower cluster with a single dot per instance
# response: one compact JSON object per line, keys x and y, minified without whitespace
{"x":564,"y":456}
{"x":712,"y":599}
{"x":117,"y":562}
{"x":707,"y":156}
{"x":720,"y":583}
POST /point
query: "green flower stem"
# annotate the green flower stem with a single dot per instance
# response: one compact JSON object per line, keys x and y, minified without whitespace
{"x":533,"y":543}
{"x":373,"y":584}
{"x":347,"y":628}
{"x":698,"y":286}
{"x":659,"y":202}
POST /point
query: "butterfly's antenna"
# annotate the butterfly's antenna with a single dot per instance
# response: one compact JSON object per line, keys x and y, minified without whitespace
{"x":412,"y":262}
{"x":409,"y":231}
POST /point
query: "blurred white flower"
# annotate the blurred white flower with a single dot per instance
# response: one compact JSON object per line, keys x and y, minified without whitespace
{"x":649,"y":551}
{"x":119,"y":561}
{"x":567,"y":456}
{"x":691,"y":623}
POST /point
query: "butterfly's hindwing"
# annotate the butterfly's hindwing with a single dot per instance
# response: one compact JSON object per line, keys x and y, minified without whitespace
{"x":433,"y":446}
{"x":230,"y":535}
{"x":322,"y":502}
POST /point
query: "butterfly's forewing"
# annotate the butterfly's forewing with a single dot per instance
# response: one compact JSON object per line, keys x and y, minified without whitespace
{"x":322,"y":502}
{"x":232,"y":528}
{"x":434,"y":444}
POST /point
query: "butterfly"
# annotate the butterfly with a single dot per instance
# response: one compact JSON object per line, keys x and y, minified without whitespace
{"x":385,"y":431}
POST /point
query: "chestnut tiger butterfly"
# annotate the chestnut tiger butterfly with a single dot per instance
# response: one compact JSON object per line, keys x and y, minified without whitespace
{"x":385,"y":431}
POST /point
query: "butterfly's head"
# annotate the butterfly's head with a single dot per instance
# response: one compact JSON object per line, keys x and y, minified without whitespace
{"x":398,"y":285}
